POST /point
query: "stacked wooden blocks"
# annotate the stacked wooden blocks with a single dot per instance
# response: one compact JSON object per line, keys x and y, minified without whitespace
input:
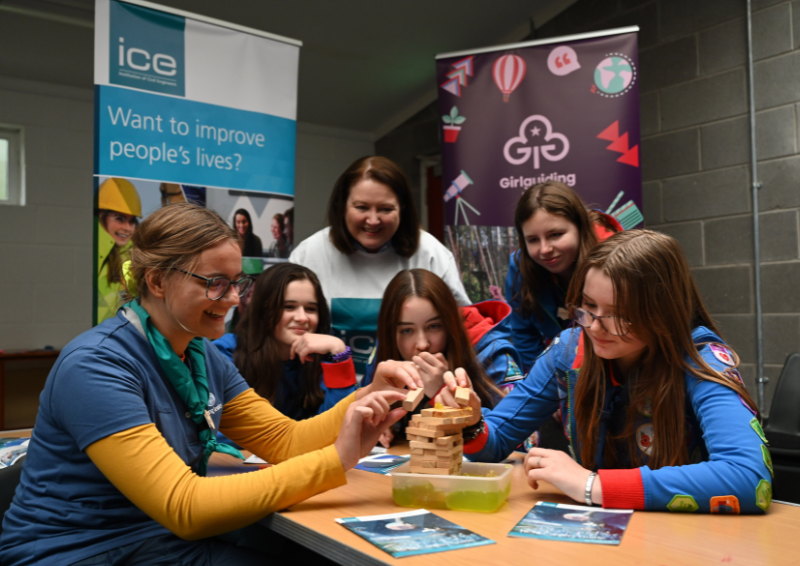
{"x":435,"y":440}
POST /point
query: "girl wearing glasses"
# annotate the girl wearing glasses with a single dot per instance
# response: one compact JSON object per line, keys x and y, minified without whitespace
{"x":282,"y":346}
{"x":127,"y":419}
{"x":555,"y":232}
{"x":656,"y":414}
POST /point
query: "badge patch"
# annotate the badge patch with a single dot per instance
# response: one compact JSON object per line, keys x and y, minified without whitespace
{"x":733,"y":375}
{"x":513,"y":373}
{"x":211,"y":399}
{"x":763,"y":494}
{"x":644,"y":438}
{"x":647,"y":409}
{"x":684,"y":504}
{"x":767,"y":459}
{"x":725,"y":505}
{"x":759,"y":431}
{"x":722,"y":354}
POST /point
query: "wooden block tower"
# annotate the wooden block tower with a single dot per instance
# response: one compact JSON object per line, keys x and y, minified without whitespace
{"x":435,"y":440}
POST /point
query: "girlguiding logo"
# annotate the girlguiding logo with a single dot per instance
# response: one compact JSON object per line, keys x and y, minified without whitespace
{"x":146,"y":49}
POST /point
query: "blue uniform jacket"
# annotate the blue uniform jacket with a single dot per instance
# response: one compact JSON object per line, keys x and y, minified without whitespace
{"x":290,"y":385}
{"x":530,"y":333}
{"x":726,"y":443}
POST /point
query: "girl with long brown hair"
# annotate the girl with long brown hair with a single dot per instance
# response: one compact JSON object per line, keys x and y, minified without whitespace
{"x":283,"y":347}
{"x":656,"y":414}
{"x":555,"y":231}
{"x":421,"y":322}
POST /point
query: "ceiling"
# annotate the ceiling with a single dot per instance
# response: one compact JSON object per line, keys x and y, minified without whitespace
{"x":365,"y":65}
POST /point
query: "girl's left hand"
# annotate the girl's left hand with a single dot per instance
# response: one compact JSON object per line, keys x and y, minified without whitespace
{"x":560,"y":470}
{"x":307,"y":344}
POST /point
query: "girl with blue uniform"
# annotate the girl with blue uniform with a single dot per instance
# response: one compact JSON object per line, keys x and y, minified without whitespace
{"x":655,"y":412}
{"x":283,"y":347}
{"x":555,"y":232}
{"x":115,"y":468}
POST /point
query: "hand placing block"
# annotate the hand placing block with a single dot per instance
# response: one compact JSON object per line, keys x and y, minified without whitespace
{"x":462,"y":396}
{"x":413,"y":398}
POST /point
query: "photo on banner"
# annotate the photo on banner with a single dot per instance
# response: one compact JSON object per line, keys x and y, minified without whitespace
{"x":177,"y":121}
{"x":560,"y":110}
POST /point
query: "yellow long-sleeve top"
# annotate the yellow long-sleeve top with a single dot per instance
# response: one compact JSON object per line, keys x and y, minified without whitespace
{"x":141,"y":464}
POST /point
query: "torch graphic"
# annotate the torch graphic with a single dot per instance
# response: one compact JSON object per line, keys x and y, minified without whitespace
{"x":459,"y":184}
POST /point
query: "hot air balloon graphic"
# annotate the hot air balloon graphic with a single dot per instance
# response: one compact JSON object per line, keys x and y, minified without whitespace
{"x":508,"y":71}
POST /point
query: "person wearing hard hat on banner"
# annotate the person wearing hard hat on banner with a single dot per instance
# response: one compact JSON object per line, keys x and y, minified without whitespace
{"x":119,"y":212}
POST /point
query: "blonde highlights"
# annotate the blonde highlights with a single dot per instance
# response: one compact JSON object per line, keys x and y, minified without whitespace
{"x":174,"y":237}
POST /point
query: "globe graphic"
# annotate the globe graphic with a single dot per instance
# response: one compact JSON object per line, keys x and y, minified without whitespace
{"x":613,"y":75}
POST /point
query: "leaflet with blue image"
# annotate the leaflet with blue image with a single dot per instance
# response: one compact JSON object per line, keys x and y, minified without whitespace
{"x":573,"y":523}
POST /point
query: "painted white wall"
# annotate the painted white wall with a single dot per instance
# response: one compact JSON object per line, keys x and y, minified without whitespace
{"x":46,"y":245}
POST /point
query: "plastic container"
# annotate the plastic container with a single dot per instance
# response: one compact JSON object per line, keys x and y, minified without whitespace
{"x":475,"y":492}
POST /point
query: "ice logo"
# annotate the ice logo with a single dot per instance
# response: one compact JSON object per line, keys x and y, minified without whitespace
{"x":614,"y":74}
{"x":562,"y":61}
{"x":520,"y":149}
{"x":211,"y":399}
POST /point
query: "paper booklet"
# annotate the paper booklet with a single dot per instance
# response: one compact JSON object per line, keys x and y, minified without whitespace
{"x":573,"y":523}
{"x":410,"y":533}
{"x":11,"y":450}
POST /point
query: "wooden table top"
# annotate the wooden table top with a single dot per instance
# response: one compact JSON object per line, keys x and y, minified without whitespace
{"x":651,"y":537}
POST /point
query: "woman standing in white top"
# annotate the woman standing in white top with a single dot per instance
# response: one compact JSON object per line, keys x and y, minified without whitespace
{"x":372,"y":234}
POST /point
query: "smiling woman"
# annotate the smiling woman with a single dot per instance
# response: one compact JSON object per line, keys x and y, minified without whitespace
{"x":373,"y":234}
{"x":129,"y":414}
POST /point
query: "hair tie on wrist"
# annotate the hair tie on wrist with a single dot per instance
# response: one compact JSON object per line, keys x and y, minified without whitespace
{"x":130,"y":281}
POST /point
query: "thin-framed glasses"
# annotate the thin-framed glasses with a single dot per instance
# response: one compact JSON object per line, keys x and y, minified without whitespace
{"x":216,"y":287}
{"x":619,"y":326}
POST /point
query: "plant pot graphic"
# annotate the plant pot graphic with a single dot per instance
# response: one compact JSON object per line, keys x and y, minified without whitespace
{"x":451,"y":133}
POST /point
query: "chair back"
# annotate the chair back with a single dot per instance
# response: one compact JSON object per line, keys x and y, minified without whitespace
{"x":784,"y":414}
{"x":9,"y":479}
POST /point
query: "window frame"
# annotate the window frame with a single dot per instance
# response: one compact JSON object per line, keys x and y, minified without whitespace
{"x":15,"y":135}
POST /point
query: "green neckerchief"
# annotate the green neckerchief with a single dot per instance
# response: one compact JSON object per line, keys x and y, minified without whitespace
{"x":192,"y":387}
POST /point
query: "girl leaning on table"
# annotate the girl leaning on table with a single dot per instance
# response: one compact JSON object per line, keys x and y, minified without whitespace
{"x":656,"y":414}
{"x":283,"y":347}
{"x":126,"y":424}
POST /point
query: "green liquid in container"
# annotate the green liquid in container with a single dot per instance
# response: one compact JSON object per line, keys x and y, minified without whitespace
{"x":424,"y":495}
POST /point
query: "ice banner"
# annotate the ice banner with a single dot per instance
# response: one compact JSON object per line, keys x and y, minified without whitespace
{"x":189,"y":109}
{"x":556,"y":109}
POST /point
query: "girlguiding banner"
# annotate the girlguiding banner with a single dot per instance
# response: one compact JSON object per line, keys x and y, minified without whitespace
{"x":561,"y":109}
{"x":190,"y":109}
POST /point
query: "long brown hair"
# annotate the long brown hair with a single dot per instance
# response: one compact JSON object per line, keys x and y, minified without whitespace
{"x":174,"y":237}
{"x":258,"y":352}
{"x":654,"y":291}
{"x":557,"y":199}
{"x":381,"y":170}
{"x":459,"y":353}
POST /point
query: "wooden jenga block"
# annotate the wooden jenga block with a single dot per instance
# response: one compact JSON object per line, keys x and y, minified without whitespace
{"x":429,"y":433}
{"x":454,"y":439}
{"x":435,"y":420}
{"x":462,"y":396}
{"x":452,"y":450}
{"x":447,"y":412}
{"x":413,"y":398}
{"x":432,"y":471}
{"x":415,"y":444}
{"x":414,"y":437}
{"x":416,"y":418}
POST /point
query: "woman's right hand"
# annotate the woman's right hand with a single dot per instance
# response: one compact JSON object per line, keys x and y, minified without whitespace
{"x":447,"y":396}
{"x":363,"y":424}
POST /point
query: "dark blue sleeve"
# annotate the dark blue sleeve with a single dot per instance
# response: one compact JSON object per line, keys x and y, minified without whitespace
{"x":739,"y":464}
{"x":97,"y":393}
{"x":218,"y":363}
{"x":527,"y":338}
{"x":532,"y":401}
{"x":226,"y":345}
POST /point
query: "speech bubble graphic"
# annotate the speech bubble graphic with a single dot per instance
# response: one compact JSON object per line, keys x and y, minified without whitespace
{"x":563,"y":60}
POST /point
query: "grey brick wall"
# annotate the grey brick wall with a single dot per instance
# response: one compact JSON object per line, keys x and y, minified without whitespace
{"x":695,"y":153}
